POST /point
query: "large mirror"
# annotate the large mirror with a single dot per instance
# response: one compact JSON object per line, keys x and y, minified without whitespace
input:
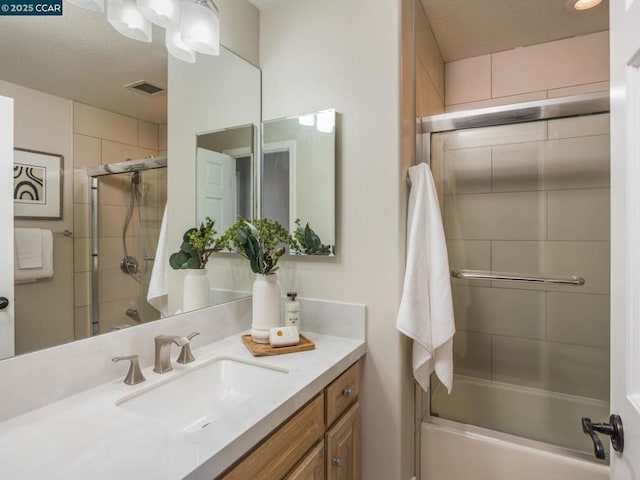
{"x":297,"y":178}
{"x":72,"y":78}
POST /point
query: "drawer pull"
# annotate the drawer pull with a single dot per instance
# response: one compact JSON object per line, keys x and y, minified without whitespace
{"x":347,"y":392}
{"x":336,"y":461}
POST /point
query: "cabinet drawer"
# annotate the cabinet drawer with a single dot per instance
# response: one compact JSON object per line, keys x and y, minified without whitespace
{"x":342,"y":393}
{"x":277,"y":455}
{"x":311,"y":467}
{"x":342,"y":443}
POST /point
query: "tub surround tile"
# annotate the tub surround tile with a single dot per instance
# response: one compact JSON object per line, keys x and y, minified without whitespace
{"x":467,"y":171}
{"x":517,"y":167}
{"x":113,"y":314}
{"x":495,"y":102}
{"x":82,"y":255}
{"x":579,"y":126}
{"x":578,"y":215}
{"x":82,"y":289}
{"x":468,"y":80}
{"x":501,"y":216}
{"x":116,"y":285}
{"x":82,"y":322}
{"x":469,"y":255}
{"x":500,"y":135}
{"x":579,"y":89}
{"x":147,"y":135}
{"x":578,"y":318}
{"x":95,"y":122}
{"x":87,"y":151}
{"x":472,"y":354}
{"x":80,"y":186}
{"x":81,"y":223}
{"x":113,"y":152}
{"x":499,"y":311}
{"x":519,"y":70}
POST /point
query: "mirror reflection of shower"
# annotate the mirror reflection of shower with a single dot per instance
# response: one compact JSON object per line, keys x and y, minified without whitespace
{"x":127,"y":204}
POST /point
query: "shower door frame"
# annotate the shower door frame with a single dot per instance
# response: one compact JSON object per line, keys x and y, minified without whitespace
{"x":550,"y":109}
{"x":94,"y":173}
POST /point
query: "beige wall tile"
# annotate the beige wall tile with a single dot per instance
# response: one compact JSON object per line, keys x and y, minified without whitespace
{"x":585,"y":126}
{"x":113,"y":152}
{"x":116,"y":285}
{"x":81,"y":220}
{"x":114,"y":189}
{"x":428,"y":100}
{"x":563,"y":63}
{"x":517,"y":167}
{"x":472,"y":354}
{"x":576,"y":162}
{"x":111,"y":222}
{"x":589,"y":260}
{"x":81,"y":187}
{"x":467,"y":170}
{"x":113,"y":314}
{"x":82,"y":322}
{"x":578,"y":318}
{"x":468,"y":80}
{"x":86,"y":151}
{"x":147,"y":135}
{"x":502,"y":216}
{"x":111,"y":251}
{"x":579,"y":89}
{"x":82,"y":289}
{"x":469,"y":255}
{"x":495,"y":102}
{"x":500,"y":135}
{"x":95,"y":122}
{"x":571,"y":369}
{"x":498,"y":311}
{"x":427,"y":50}
{"x":578,"y":214}
{"x":82,"y":254}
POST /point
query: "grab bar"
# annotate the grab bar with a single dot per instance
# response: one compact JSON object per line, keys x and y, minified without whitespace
{"x":516,"y":277}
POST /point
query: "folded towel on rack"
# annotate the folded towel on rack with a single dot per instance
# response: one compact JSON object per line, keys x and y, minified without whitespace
{"x":31,"y":274}
{"x":28,"y":246}
{"x":426,"y":308}
{"x":157,"y":294}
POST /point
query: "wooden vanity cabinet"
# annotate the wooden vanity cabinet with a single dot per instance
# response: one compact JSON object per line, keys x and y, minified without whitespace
{"x":321,"y":441}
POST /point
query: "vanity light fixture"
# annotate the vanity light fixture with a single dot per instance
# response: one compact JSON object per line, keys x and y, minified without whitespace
{"x":177,"y":48}
{"x":191,"y":25}
{"x":164,"y":13}
{"x":126,"y":18}
{"x":582,"y":4}
{"x":200,"y":26}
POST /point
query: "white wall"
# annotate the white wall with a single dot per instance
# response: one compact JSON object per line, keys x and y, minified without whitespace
{"x":345,"y":54}
{"x":240,"y":28}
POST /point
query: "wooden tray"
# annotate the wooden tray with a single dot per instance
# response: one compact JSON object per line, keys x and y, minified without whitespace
{"x":264,"y":349}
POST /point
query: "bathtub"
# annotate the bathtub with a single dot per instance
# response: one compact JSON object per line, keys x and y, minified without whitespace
{"x":455,"y":449}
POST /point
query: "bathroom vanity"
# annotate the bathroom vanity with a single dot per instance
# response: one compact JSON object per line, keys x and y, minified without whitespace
{"x":227,"y":415}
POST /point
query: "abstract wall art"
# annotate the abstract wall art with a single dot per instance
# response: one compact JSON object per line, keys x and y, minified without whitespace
{"x":37,"y":184}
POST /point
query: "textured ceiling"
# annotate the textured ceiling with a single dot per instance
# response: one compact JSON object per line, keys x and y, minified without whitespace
{"x":468,"y":28}
{"x":81,"y":57}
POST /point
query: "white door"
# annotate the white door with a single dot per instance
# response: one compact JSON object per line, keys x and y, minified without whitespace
{"x":7,"y":344}
{"x":216,"y":188}
{"x":625,"y":232}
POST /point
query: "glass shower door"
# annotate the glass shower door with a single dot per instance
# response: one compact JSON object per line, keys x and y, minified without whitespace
{"x":530,"y":199}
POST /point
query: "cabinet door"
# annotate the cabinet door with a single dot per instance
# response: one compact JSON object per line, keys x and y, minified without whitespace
{"x":343,"y":447}
{"x":311,"y":467}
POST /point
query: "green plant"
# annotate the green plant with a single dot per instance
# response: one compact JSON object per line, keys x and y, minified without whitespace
{"x":308,"y":242}
{"x":197,"y":246}
{"x":261,"y":241}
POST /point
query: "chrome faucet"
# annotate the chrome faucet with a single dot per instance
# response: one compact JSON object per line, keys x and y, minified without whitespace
{"x":163,"y":351}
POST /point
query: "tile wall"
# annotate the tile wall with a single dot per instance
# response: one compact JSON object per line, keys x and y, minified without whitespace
{"x":530,"y":198}
{"x":102,"y":137}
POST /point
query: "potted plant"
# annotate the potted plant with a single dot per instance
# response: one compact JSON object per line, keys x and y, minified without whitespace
{"x":197,"y":246}
{"x":307,"y":242}
{"x":262,"y":242}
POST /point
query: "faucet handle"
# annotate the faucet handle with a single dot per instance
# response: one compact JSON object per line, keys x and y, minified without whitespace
{"x":185,"y":354}
{"x":134,"y":375}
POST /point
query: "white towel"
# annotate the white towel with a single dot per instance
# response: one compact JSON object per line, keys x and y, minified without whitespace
{"x":32,"y":274}
{"x":28,"y":245}
{"x":426,"y":308}
{"x":157,"y":295}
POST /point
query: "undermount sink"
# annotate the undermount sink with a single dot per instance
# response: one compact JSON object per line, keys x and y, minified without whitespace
{"x":194,"y":398}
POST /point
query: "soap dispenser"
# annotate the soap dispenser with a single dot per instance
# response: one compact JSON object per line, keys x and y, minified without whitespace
{"x":292,"y":311}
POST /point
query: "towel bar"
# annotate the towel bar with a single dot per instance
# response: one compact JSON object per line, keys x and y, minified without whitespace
{"x":516,"y":277}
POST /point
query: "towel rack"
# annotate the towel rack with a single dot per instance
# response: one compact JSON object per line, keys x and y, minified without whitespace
{"x":64,"y":233}
{"x":517,"y":277}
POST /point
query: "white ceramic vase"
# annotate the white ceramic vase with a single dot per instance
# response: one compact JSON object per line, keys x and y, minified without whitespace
{"x":266,"y":307}
{"x":196,"y":292}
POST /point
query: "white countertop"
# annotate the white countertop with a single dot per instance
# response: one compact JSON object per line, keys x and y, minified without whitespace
{"x":87,"y":436}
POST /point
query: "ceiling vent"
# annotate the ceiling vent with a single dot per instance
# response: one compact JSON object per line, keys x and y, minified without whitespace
{"x":145,"y":88}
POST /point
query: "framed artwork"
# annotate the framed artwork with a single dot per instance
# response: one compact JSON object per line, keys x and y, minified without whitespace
{"x":37,"y":184}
